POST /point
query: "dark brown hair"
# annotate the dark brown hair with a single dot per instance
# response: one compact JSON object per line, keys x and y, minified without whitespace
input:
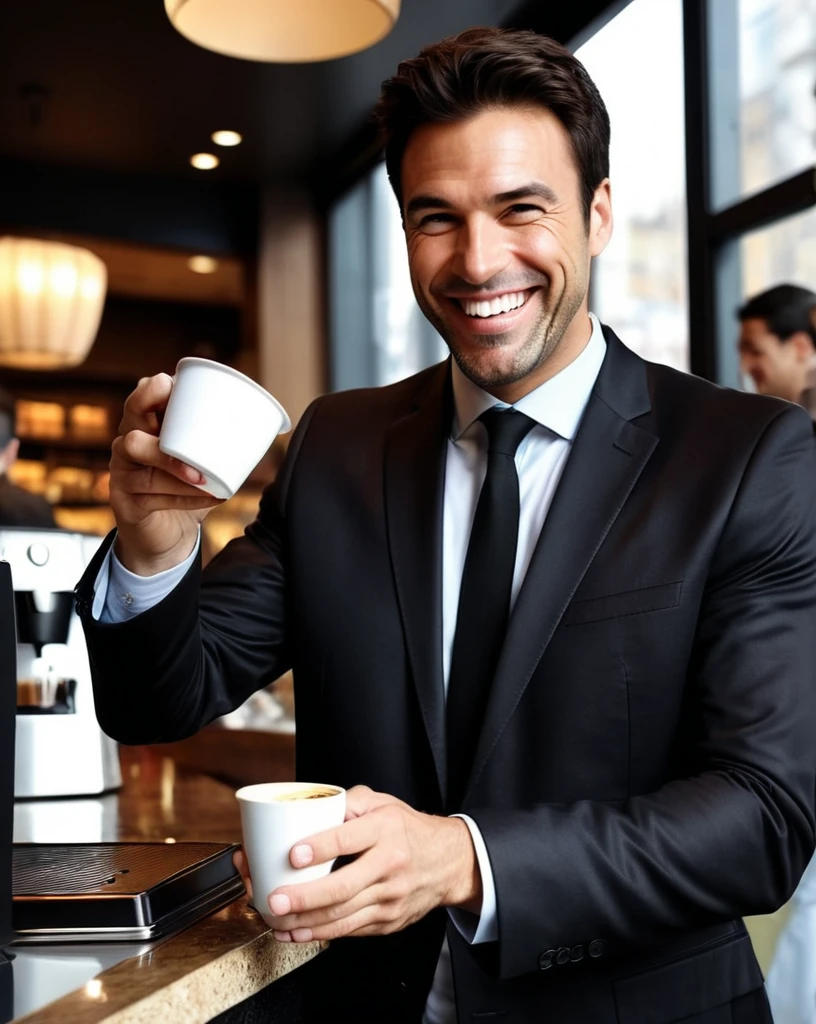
{"x":487,"y":67}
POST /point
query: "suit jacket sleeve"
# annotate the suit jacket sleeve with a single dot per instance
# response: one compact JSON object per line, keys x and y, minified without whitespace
{"x":734,"y":835}
{"x":210,"y":644}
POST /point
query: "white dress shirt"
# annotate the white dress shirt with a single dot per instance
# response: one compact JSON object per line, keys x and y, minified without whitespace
{"x":557,"y":406}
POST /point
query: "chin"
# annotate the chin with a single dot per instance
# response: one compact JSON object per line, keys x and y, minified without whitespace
{"x":490,"y":373}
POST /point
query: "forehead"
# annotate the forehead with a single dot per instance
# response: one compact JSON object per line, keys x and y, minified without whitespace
{"x":756,"y":331}
{"x":492,"y":152}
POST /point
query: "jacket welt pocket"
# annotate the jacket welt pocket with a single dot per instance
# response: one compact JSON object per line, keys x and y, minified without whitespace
{"x":690,"y":986}
{"x":631,"y":602}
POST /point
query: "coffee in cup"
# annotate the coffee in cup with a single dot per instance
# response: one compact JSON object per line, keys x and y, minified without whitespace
{"x":313,"y":793}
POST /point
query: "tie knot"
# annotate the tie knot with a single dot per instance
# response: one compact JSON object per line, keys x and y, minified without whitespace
{"x":506,"y":428}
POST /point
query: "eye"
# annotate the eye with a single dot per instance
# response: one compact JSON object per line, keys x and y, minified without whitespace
{"x":521,"y":213}
{"x":436,"y":223}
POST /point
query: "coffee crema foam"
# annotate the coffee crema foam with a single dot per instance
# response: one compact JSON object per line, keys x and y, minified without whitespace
{"x":312,"y":793}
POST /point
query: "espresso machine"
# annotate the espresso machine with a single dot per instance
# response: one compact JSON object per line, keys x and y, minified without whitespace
{"x":60,"y":749}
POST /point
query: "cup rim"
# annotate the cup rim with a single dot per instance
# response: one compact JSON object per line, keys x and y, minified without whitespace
{"x":246,"y":792}
{"x":286,"y":425}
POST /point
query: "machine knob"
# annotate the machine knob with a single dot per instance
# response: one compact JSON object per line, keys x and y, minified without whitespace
{"x":38,"y":553}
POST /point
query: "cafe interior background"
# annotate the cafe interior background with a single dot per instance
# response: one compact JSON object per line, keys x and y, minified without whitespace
{"x":239,"y":210}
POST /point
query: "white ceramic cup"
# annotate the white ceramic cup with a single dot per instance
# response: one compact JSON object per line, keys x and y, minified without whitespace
{"x":272,"y":826}
{"x":220,"y":422}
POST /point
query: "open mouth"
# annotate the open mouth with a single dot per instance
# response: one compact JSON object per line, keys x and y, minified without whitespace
{"x":484,"y":308}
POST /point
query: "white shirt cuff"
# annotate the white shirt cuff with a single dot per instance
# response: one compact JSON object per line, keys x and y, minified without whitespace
{"x":121,"y":594}
{"x":486,"y":928}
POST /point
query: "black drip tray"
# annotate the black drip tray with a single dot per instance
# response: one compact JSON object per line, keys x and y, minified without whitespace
{"x":88,"y":892}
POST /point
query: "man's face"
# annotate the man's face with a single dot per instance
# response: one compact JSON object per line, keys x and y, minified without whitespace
{"x":498,"y":245}
{"x":777,"y":368}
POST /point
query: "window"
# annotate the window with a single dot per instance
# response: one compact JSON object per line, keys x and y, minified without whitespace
{"x":765,"y":72}
{"x":784,"y":253}
{"x":639,"y":282}
{"x":378,"y":333}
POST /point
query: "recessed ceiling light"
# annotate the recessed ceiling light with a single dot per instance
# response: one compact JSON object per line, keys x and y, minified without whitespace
{"x":225,"y":138}
{"x":202,"y":264}
{"x":204,"y":161}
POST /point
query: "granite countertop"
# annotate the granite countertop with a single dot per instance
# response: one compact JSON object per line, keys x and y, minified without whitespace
{"x":190,"y":977}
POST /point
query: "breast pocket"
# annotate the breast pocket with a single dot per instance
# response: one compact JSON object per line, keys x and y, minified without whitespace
{"x":629,"y":602}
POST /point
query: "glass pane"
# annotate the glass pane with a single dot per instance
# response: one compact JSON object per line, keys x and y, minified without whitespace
{"x":763,"y":64}
{"x":377,"y":332}
{"x":404,"y":342}
{"x":639,"y":283}
{"x":784,"y":253}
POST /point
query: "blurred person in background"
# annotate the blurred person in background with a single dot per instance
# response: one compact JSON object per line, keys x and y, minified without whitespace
{"x":777,"y":343}
{"x":777,"y":349}
{"x":18,"y":507}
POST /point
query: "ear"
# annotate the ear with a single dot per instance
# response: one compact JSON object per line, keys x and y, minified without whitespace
{"x":802,"y":345}
{"x":600,"y":218}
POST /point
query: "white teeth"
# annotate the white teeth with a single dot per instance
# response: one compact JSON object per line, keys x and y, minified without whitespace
{"x":502,"y":304}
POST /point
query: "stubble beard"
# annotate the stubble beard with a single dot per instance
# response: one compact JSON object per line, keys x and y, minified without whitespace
{"x":543,"y":339}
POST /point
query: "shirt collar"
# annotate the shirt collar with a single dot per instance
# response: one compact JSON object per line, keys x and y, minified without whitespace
{"x":558,"y":404}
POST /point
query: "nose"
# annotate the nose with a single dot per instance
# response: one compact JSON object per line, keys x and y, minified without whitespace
{"x":481,"y":250}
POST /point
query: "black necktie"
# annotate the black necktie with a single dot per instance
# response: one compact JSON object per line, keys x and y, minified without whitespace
{"x":484,"y":600}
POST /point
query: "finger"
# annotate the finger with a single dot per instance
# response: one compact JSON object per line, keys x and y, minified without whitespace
{"x":144,"y":404}
{"x":135,"y":479}
{"x":378,"y":919}
{"x":335,"y":888}
{"x":353,"y":836}
{"x":139,"y":448}
{"x":334,"y":912}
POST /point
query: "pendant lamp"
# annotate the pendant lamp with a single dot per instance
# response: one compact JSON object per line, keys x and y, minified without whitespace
{"x":51,"y":298}
{"x":283,"y":31}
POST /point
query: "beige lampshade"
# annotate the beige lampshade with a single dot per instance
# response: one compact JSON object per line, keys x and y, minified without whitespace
{"x":51,"y":298}
{"x":286,"y":31}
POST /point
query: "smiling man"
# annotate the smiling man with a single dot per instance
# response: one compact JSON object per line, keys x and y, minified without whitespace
{"x":777,"y":343}
{"x":551,"y":609}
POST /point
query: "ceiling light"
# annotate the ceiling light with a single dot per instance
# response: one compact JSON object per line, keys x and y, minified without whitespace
{"x":204,"y":161}
{"x":286,"y":31}
{"x":227,"y":138}
{"x":51,"y":298}
{"x":202,"y":264}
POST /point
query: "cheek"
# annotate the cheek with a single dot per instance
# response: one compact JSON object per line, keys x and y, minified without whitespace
{"x":560,"y":254}
{"x":424,"y":261}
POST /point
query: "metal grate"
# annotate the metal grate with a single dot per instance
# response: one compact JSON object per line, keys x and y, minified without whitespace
{"x":103,"y":868}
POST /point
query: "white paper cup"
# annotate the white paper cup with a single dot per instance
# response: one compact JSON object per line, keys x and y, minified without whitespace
{"x":220,"y":422}
{"x":271,"y":827}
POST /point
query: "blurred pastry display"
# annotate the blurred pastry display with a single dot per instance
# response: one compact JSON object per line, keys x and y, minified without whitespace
{"x":40,"y":420}
{"x":89,"y":422}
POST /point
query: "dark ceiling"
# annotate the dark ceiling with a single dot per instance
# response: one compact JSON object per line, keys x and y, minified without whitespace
{"x":111,"y":86}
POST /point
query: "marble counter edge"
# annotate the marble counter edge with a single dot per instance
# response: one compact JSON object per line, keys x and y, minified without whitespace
{"x":215,"y":987}
{"x":189,"y":978}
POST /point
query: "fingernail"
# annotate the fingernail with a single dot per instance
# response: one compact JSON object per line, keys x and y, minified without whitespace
{"x":194,"y":476}
{"x":280,"y":905}
{"x":302,"y":855}
{"x":302,"y":935}
{"x":282,"y":936}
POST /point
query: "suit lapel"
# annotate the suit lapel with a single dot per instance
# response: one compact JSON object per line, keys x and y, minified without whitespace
{"x":607,"y":457}
{"x":415,"y":458}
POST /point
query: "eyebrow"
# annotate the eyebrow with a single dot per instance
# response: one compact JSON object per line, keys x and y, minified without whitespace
{"x":533,"y":188}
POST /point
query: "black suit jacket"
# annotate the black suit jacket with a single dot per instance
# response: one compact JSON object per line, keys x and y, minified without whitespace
{"x":647,"y":764}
